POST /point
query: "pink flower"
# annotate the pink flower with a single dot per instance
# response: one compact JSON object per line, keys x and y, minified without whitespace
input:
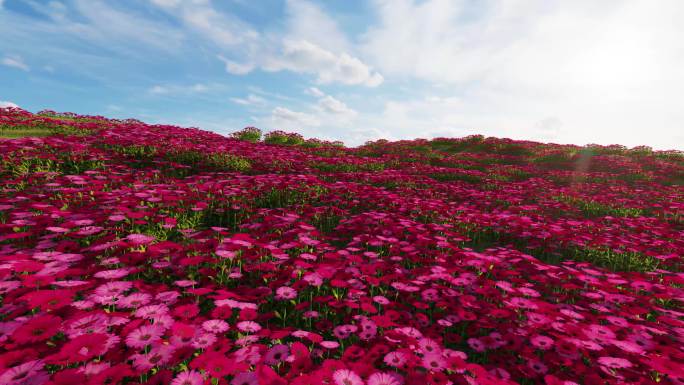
{"x":28,"y":373}
{"x":541,"y":342}
{"x":245,"y":378}
{"x":191,"y":377}
{"x":330,"y":344}
{"x":140,"y":239}
{"x":346,"y":377}
{"x":614,"y":362}
{"x":434,"y":362}
{"x":215,"y":326}
{"x":144,"y":335}
{"x":248,"y":326}
{"x":285,"y":293}
{"x":395,"y":359}
{"x":385,"y":379}
{"x":276,"y":354}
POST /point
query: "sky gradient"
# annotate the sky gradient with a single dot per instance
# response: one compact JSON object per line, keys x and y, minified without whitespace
{"x":556,"y":71}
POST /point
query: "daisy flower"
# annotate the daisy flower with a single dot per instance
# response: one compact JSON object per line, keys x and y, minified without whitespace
{"x":144,"y":335}
{"x":191,"y":377}
{"x":395,"y":359}
{"x":276,"y":354}
{"x":27,"y":373}
{"x":215,"y":326}
{"x":248,"y":326}
{"x":285,"y":293}
{"x":346,"y":377}
{"x":245,"y":378}
{"x":385,"y":379}
{"x":614,"y":362}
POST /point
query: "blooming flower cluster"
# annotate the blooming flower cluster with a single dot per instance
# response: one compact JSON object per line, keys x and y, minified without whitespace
{"x":134,"y":253}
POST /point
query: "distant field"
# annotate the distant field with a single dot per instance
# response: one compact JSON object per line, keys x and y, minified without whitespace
{"x":134,"y":253}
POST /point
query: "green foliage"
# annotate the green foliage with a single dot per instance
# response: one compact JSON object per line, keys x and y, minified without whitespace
{"x":277,"y":198}
{"x":135,"y":151}
{"x":283,"y":138}
{"x":348,"y":167}
{"x":34,"y":130}
{"x":248,"y":134}
{"x":217,"y":161}
{"x":451,"y":176}
{"x":596,"y":209}
{"x":19,"y":163}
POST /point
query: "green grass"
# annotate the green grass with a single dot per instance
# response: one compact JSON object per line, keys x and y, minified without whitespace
{"x":23,"y":131}
{"x":18,"y":164}
{"x":450,"y":177}
{"x":594,"y":209}
{"x":348,"y":167}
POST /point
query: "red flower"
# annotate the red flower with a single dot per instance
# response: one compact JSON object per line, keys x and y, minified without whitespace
{"x":37,"y":329}
{"x":48,"y":300}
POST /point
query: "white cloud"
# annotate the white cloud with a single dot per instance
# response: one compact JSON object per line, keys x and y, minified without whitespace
{"x":314,"y":91}
{"x":306,"y":57}
{"x":250,"y":100}
{"x":14,"y":61}
{"x":307,"y":21}
{"x":325,"y":119}
{"x":289,"y":119}
{"x":223,"y":29}
{"x":236,"y":68}
{"x":166,"y":3}
{"x":5,"y":104}
{"x":330,"y":105}
{"x":609,"y":71}
{"x":307,"y":30}
{"x":179,"y":89}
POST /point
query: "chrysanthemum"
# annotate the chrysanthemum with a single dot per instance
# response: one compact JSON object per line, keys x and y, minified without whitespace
{"x":434,"y":362}
{"x":384,"y":379}
{"x":395,"y":359}
{"x":285,"y":293}
{"x":144,"y":335}
{"x":245,"y":378}
{"x":215,"y":326}
{"x":140,"y":239}
{"x":248,"y":326}
{"x":151,"y":311}
{"x":541,"y":342}
{"x":203,"y":340}
{"x":27,"y":373}
{"x":37,"y":329}
{"x":614,"y":362}
{"x":157,"y":356}
{"x":191,"y":377}
{"x":330,"y":344}
{"x":346,"y":377}
{"x":134,"y":300}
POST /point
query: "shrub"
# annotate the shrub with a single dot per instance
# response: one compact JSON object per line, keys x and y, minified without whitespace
{"x":248,"y":134}
{"x":283,"y":138}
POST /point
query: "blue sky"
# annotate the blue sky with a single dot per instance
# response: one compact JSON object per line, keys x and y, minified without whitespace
{"x":576,"y":71}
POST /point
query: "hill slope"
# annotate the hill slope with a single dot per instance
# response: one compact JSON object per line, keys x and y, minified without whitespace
{"x":141,"y":253}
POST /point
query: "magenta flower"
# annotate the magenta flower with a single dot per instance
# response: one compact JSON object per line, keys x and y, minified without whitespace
{"x":144,"y":335}
{"x":285,"y":293}
{"x":191,"y":377}
{"x":384,"y":379}
{"x":248,"y":326}
{"x":614,"y":362}
{"x":245,"y":378}
{"x":346,"y":377}
{"x":139,"y":239}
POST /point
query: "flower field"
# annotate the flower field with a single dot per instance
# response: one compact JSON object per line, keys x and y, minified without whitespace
{"x":134,"y":253}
